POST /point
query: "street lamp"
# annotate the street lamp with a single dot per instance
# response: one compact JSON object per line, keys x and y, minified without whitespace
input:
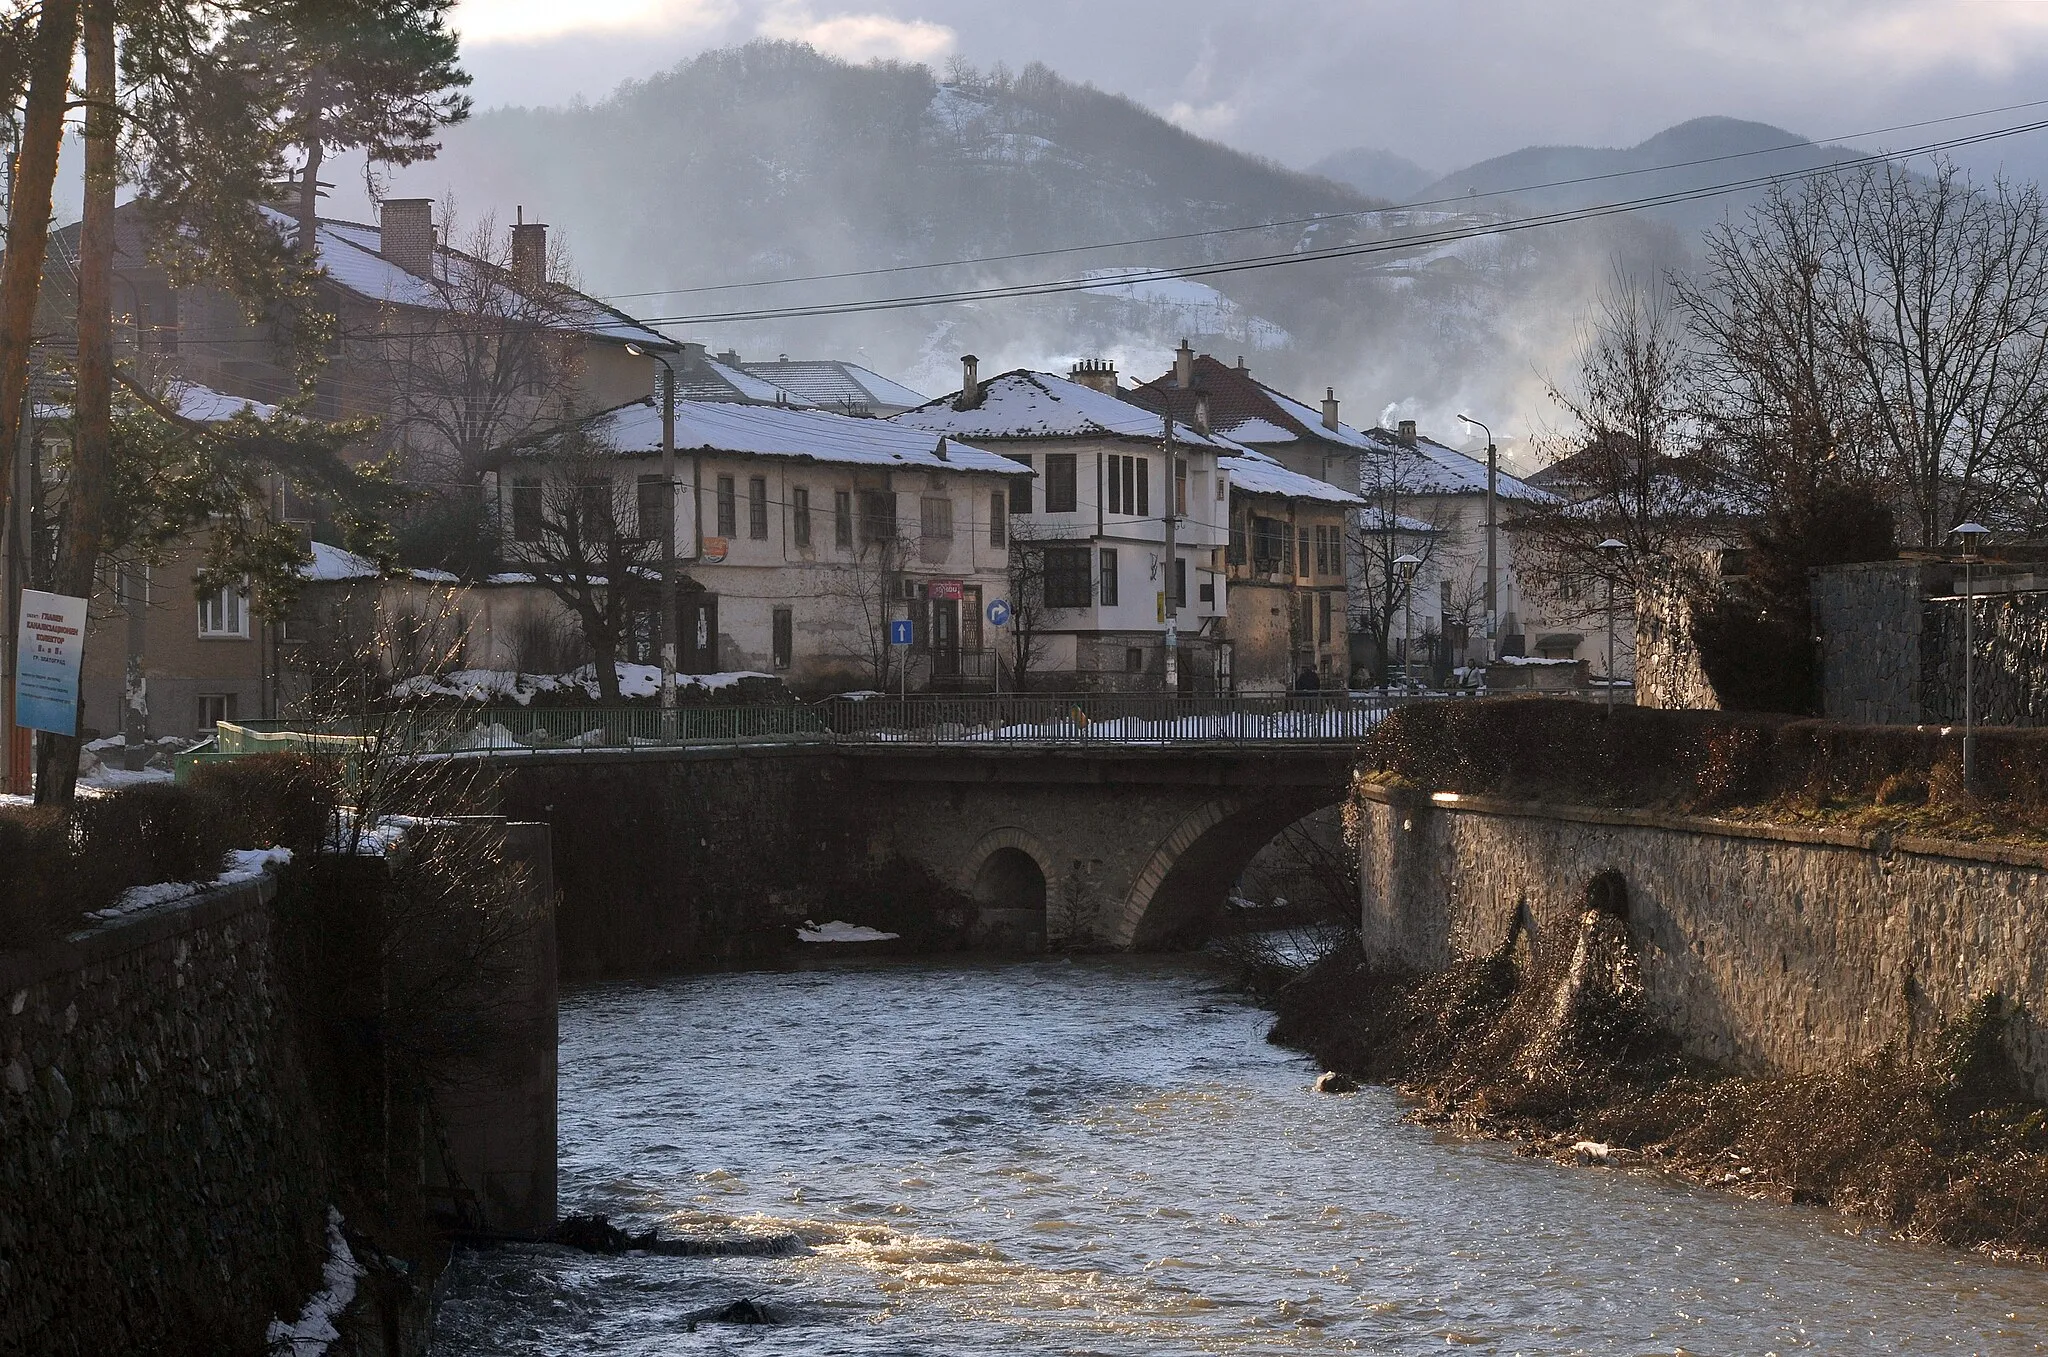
{"x":1612,"y":550}
{"x":1492,"y":475}
{"x":668,"y":543}
{"x":1970,"y":533}
{"x":1406,"y":562}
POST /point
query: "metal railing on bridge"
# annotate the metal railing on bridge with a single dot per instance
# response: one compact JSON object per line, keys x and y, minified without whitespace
{"x":1011,"y":719}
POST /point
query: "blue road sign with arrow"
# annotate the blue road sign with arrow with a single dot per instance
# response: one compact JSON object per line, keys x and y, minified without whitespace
{"x":998,"y":611}
{"x":900,"y":633}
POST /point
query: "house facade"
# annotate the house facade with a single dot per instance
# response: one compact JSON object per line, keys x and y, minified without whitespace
{"x":802,"y":536}
{"x":1418,"y":498}
{"x":1288,"y":591}
{"x":1110,"y":485}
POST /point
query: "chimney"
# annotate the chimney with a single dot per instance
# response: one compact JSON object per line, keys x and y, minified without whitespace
{"x":1407,"y":433}
{"x":1097,"y":374}
{"x":405,"y":234}
{"x":940,"y":451}
{"x":1329,"y":407}
{"x":970,"y":383}
{"x":1184,"y":366}
{"x":693,"y":357}
{"x":1240,"y":364}
{"x":1202,"y":413}
{"x":529,"y":252}
{"x":730,"y":357}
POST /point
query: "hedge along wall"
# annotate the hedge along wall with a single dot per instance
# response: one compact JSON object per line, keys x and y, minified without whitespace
{"x":1762,"y":948}
{"x":161,"y":1178}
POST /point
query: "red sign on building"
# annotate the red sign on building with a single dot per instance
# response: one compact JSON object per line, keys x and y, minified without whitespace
{"x":943,"y":589}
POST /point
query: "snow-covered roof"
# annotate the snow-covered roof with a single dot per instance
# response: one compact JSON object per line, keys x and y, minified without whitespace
{"x":708,"y":379}
{"x":204,"y":405}
{"x":832,"y":383}
{"x":1257,"y":474}
{"x":331,"y":564}
{"x":350,"y":257}
{"x":1256,"y":430}
{"x":634,"y":430}
{"x":1427,"y":467}
{"x":1027,"y":404}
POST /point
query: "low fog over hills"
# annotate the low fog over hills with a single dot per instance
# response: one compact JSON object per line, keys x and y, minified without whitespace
{"x":773,"y":162}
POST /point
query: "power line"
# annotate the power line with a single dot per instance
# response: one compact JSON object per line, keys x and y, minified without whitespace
{"x":1317,"y":218}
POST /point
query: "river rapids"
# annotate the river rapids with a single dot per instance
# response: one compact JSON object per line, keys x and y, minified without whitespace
{"x":1105,"y":1157}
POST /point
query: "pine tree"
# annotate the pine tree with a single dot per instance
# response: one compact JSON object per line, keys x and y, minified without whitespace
{"x":379,"y":76}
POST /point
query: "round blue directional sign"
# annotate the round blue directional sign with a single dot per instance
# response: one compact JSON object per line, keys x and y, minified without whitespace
{"x":998,"y":611}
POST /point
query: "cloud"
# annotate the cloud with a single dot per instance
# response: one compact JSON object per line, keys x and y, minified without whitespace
{"x":487,"y":23}
{"x":859,"y":37}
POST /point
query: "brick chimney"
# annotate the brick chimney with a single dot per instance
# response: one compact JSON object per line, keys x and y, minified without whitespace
{"x":693,"y":357}
{"x":1184,"y":366}
{"x":1098,"y":374}
{"x":1407,"y":433}
{"x":970,"y":383}
{"x":1329,"y":407}
{"x":529,"y":252}
{"x":1202,"y":413}
{"x":405,"y":234}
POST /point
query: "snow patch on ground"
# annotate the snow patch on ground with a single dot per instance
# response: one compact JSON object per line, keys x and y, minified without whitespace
{"x":243,"y":864}
{"x":497,"y":685}
{"x":841,"y":931}
{"x":315,"y":1328}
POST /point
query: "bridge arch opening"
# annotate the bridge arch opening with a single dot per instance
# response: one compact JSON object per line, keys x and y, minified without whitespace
{"x":1009,"y":888}
{"x":1180,"y":895}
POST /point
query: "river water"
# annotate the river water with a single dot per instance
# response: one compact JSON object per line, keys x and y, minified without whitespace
{"x":1104,"y":1156}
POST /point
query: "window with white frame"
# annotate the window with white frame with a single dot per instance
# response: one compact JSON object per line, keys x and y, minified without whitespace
{"x":224,"y":614}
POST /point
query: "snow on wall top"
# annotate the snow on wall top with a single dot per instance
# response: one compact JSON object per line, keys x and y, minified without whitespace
{"x":350,"y":256}
{"x":770,"y":431}
{"x":1027,"y":404}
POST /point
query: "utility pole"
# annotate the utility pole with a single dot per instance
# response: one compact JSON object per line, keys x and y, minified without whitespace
{"x":1612,"y":550}
{"x":1971,"y":533}
{"x":1492,"y":567}
{"x":669,"y":620}
{"x":1172,"y":601}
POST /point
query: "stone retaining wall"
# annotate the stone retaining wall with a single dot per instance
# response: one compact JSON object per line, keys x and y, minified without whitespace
{"x":161,"y":1181}
{"x":1772,"y":948}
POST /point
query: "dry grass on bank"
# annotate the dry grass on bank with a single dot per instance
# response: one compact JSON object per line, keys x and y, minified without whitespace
{"x":1948,"y":1149}
{"x":1733,"y":765}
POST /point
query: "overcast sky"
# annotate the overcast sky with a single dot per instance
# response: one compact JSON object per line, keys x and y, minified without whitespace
{"x":1444,"y":82}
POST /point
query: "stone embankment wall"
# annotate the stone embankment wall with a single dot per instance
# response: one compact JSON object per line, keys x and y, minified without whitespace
{"x":1668,"y":672}
{"x":706,"y":855}
{"x":2010,"y":632}
{"x":1761,"y":948}
{"x":1891,"y":637}
{"x":161,"y":1178}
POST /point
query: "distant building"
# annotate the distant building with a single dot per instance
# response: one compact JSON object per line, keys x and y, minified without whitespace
{"x":833,"y":384}
{"x":1406,"y":483}
{"x":1286,"y":571}
{"x":803,"y":535}
{"x":1091,"y":523}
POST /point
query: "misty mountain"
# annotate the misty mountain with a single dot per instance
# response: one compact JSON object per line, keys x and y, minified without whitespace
{"x":1375,"y":172}
{"x":1538,"y":177}
{"x":690,"y":194}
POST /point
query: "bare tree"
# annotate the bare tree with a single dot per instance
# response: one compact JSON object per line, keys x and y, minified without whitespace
{"x":574,"y":527}
{"x":1629,"y":469}
{"x":1030,"y":619}
{"x":503,"y":367}
{"x":1949,"y":329}
{"x":1377,"y":537}
{"x":866,"y":591}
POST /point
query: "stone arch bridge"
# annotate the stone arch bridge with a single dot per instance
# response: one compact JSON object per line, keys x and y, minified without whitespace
{"x":1133,"y":846}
